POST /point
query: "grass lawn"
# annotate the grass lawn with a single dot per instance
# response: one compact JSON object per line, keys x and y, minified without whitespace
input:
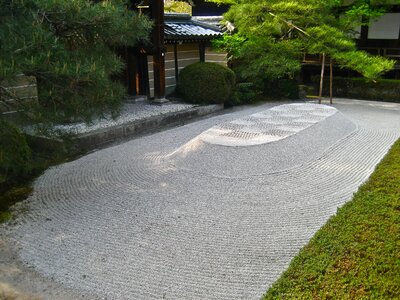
{"x":356,"y":254}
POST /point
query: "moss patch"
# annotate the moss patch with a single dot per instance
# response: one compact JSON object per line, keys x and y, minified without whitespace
{"x":18,"y":188}
{"x":356,"y":254}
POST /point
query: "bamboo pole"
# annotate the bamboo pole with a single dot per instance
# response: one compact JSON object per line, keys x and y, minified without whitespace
{"x":321,"y":82}
{"x":331,"y":82}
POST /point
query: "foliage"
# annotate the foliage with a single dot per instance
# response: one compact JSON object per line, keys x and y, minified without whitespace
{"x":369,"y":66}
{"x":246,"y":92}
{"x":272,"y":36}
{"x":206,"y":83}
{"x":359,"y":88}
{"x":281,"y":89}
{"x":22,"y":158}
{"x":367,"y":8}
{"x":177,"y":6}
{"x":14,"y":152}
{"x":69,"y":47}
{"x":355,"y":255}
{"x":17,"y":186}
{"x":11,"y":197}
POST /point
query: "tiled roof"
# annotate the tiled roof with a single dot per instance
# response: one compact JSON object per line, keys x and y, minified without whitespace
{"x":181,"y":27}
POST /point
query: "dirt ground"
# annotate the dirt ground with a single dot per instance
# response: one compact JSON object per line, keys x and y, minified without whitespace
{"x":19,"y":282}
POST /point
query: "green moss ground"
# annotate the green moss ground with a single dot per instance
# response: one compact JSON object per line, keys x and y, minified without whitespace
{"x":19,"y":188}
{"x":356,"y":255}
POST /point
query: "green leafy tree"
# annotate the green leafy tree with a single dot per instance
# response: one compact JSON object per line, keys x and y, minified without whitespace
{"x":178,"y":6}
{"x":69,"y":47}
{"x":272,"y":35}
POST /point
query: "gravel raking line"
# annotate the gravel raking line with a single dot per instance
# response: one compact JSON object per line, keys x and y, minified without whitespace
{"x":212,"y":210}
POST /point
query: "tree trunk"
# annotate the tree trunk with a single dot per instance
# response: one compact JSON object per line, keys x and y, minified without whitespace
{"x":331,"y":82}
{"x":321,"y":82}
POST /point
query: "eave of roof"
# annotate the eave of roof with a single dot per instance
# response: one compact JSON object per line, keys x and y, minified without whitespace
{"x":181,"y":27}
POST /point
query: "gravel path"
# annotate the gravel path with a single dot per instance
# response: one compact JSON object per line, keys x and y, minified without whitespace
{"x":188,"y":214}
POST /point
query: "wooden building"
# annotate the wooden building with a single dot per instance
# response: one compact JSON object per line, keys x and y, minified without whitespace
{"x":177,"y":41}
{"x":186,"y":41}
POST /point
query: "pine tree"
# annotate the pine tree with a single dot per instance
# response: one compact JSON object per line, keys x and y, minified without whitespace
{"x":272,"y":35}
{"x":68,"y":45}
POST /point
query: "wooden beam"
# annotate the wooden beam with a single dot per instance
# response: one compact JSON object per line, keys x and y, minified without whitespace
{"x":157,"y":13}
{"x":202,"y":52}
{"x":176,"y":62}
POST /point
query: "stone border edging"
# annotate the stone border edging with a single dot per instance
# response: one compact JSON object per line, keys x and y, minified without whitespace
{"x":105,"y":136}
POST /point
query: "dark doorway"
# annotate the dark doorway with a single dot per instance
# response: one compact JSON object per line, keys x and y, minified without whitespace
{"x":137,"y":72}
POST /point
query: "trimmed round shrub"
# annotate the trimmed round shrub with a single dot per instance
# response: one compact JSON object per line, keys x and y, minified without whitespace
{"x":204,"y":83}
{"x":14,"y":152}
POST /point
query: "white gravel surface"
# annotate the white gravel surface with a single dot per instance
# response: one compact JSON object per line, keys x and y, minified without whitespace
{"x":172,"y":216}
{"x":130,"y":112}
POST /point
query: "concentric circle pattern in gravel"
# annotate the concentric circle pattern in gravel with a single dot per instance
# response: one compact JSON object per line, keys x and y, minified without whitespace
{"x":170,"y":216}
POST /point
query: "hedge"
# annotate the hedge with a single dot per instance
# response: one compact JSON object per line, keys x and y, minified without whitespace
{"x":359,"y":88}
{"x":205,"y":83}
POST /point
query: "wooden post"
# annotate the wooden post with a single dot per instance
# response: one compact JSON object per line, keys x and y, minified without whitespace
{"x":321,"y":82}
{"x":176,"y":63}
{"x":331,"y":81}
{"x":131,"y":71}
{"x":157,"y":12}
{"x":202,"y":52}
